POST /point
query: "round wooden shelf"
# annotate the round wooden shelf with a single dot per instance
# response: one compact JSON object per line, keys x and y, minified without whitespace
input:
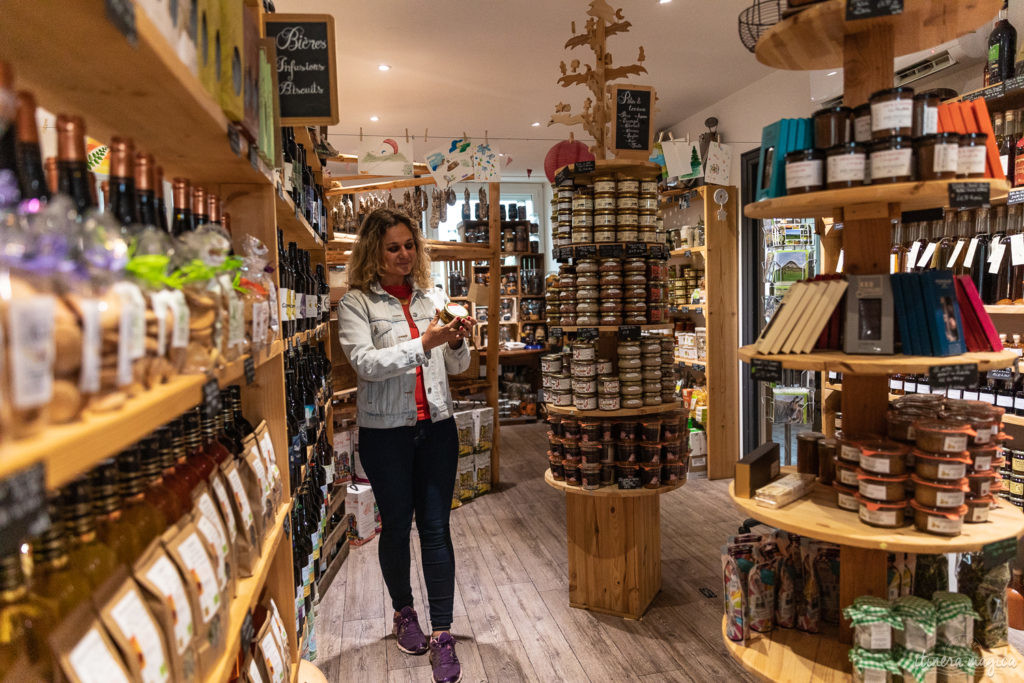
{"x":625,"y":412}
{"x":612,"y":491}
{"x":625,"y":167}
{"x":817,"y":516}
{"x":613,"y":328}
{"x":930,"y":194}
{"x":837,"y":361}
{"x":813,"y":38}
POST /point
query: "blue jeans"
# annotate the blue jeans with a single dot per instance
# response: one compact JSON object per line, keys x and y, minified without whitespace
{"x":412,"y":471}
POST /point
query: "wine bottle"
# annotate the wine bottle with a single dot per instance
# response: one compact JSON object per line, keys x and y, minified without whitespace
{"x":161,"y":204}
{"x":199,"y":216}
{"x":145,"y":196}
{"x":122,"y":182}
{"x":31,"y":177}
{"x":72,"y":171}
{"x":10,"y":194}
{"x":1002,"y":49}
{"x":181,"y":222}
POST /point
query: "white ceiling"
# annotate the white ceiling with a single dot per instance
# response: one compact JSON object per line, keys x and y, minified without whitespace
{"x":488,"y":65}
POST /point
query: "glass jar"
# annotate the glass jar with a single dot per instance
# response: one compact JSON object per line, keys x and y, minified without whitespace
{"x":587,"y":293}
{"x":627,"y":219}
{"x":605,"y":218}
{"x":627,"y":186}
{"x":566,"y":280}
{"x":845,"y":166}
{"x":604,"y":184}
{"x":635,"y":319}
{"x":656,"y":269}
{"x":648,"y":202}
{"x":631,"y":388}
{"x":831,"y":126}
{"x":610,"y":319}
{"x":632,"y":402}
{"x":628,"y":349}
{"x":588,"y":320}
{"x":586,"y":265}
{"x":892,"y":160}
{"x":937,"y":156}
{"x":587,"y":307}
{"x":610,"y":265}
{"x":630,"y":363}
{"x":626,"y":235}
{"x":630,"y":374}
{"x":972,"y":155}
{"x":926,"y":114}
{"x":634,"y":305}
{"x":611,"y":279}
{"x":634,"y":279}
{"x":892,"y":113}
{"x":610,"y":306}
{"x":862,"y":123}
{"x":567,"y":308}
{"x":805,"y":171}
{"x":587,"y":280}
{"x":582,"y":236}
{"x":635,"y":292}
{"x":604,"y":201}
{"x":649,"y":186}
{"x":613,"y":293}
{"x":582,"y":201}
{"x":634,"y":265}
{"x":648,"y":218}
{"x":604,"y":234}
{"x":567,"y":295}
{"x":627,"y":201}
{"x":655,"y":292}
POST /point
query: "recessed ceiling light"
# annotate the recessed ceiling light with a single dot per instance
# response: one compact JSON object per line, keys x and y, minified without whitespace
{"x":664,"y":2}
{"x":535,"y":124}
{"x":831,"y":73}
{"x":384,"y":67}
{"x":375,"y":118}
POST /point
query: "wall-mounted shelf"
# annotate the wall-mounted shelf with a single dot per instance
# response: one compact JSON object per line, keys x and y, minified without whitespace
{"x":837,"y":361}
{"x":683,"y":252}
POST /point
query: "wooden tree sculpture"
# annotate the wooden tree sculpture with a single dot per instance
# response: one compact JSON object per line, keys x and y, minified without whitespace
{"x":603,"y":22}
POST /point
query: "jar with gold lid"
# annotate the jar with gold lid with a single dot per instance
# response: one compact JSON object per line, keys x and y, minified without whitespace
{"x":635,"y":292}
{"x":567,"y":308}
{"x":613,"y":279}
{"x":627,"y":218}
{"x":609,"y":305}
{"x":605,"y":201}
{"x":567,"y":295}
{"x":635,"y":319}
{"x":582,"y":219}
{"x":566,"y":278}
{"x":606,"y":218}
{"x":634,"y":265}
{"x":587,"y":307}
{"x":634,"y":280}
{"x":604,"y":235}
{"x":582,"y":236}
{"x":626,"y":235}
{"x":586,"y":265}
{"x":611,"y":319}
{"x":647,"y":218}
{"x":586,"y":280}
{"x":586,"y":293}
{"x":629,"y":202}
{"x":629,"y":348}
{"x":613,"y":292}
{"x":627,"y":186}
{"x":648,"y":202}
{"x":648,"y":234}
{"x":604,"y":183}
{"x":649,"y":186}
{"x":582,"y":202}
{"x":588,"y":320}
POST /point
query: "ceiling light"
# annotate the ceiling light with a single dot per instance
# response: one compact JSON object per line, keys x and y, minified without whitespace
{"x":375,"y":118}
{"x":535,"y":124}
{"x":664,"y":2}
{"x":384,"y":67}
{"x":831,"y":73}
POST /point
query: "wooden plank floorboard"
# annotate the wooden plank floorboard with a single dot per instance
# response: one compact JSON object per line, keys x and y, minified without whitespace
{"x":488,"y":618}
{"x":550,"y":654}
{"x":597,"y":652}
{"x":362,"y":652}
{"x":507,"y":661}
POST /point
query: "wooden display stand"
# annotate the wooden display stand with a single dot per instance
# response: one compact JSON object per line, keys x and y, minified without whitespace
{"x":721,"y":314}
{"x":816,"y":38}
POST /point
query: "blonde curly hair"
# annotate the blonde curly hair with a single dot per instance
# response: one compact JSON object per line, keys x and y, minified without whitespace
{"x":367,"y":262}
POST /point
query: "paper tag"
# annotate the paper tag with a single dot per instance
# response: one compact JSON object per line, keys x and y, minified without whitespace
{"x":926,"y":258}
{"x":955,"y":444}
{"x":882,"y":518}
{"x":949,"y":499}
{"x":873,"y":491}
{"x":972,"y":247}
{"x":996,"y":257}
{"x":225,"y":508}
{"x":892,"y":114}
{"x":1017,"y":249}
{"x":846,"y":501}
{"x":91,"y":660}
{"x":952,"y":470}
{"x":135,"y":622}
{"x":874,"y":464}
{"x":30,"y":326}
{"x":133,"y":301}
{"x":197,"y":564}
{"x":943,"y":524}
{"x":274,"y":306}
{"x":160,"y":303}
{"x":881,"y":633}
{"x":945,"y":158}
{"x":915,"y":247}
{"x":180,"y":331}
{"x":956,"y":252}
{"x":896,"y":384}
{"x":931,"y":123}
{"x":92,"y":342}
{"x":260,"y":321}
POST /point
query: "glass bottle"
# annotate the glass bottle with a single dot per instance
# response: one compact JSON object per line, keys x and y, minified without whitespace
{"x":161,"y":204}
{"x":1004,"y":142}
{"x":919,"y":246}
{"x":72,"y":171}
{"x":946,"y":243}
{"x":95,"y":560}
{"x":122,"y":182}
{"x":106,"y":500}
{"x":963,"y":238}
{"x":995,"y":235}
{"x":31,"y":177}
{"x":243,"y":426}
{"x":1004,"y":267}
{"x":10,"y":194}
{"x":54,"y":578}
{"x":199,"y":216}
{"x":197,"y":459}
{"x":181,"y":221}
{"x":213,"y":213}
{"x":26,"y":621}
{"x":1015,"y":225}
{"x":137,"y":513}
{"x":212,"y":449}
{"x":145,"y":195}
{"x":153,"y":465}
{"x":1002,"y":49}
{"x":185,"y":439}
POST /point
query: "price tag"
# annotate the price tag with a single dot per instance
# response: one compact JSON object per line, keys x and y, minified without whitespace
{"x":636,"y":249}
{"x":254,"y":157}
{"x":996,"y":257}
{"x":657,"y":251}
{"x":968,"y":195}
{"x":764,"y":370}
{"x":584,"y":166}
{"x":248,"y":632}
{"x":915,"y":248}
{"x":999,"y":552}
{"x":555,"y":332}
{"x":866,"y":9}
{"x":972,"y":247}
{"x":234,"y":140}
{"x":250,"y":370}
{"x":956,"y":253}
{"x":629,"y":332}
{"x":22,"y":507}
{"x":1017,"y":249}
{"x":121,"y":14}
{"x":585,"y":333}
{"x":562,"y":176}
{"x":926,"y":257}
{"x":586,"y":251}
{"x":610,"y":250}
{"x":1015,"y":197}
{"x":959,"y":375}
{"x":211,"y":399}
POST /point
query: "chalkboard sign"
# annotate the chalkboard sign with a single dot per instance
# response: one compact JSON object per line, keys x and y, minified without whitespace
{"x":629,"y":332}
{"x":554,"y":332}
{"x":995,"y":554}
{"x":1015,"y":197}
{"x":563,"y":175}
{"x":865,"y":9}
{"x":960,"y":375}
{"x":632,"y":131}
{"x":585,"y":166}
{"x":250,"y":370}
{"x":615,"y":250}
{"x":968,"y":195}
{"x":764,"y":370}
{"x":657,"y":251}
{"x":22,"y":507}
{"x":211,"y":400}
{"x":563,"y":253}
{"x":121,"y":14}
{"x":585,"y":333}
{"x":636,"y":249}
{"x":307,"y":79}
{"x":586,"y":251}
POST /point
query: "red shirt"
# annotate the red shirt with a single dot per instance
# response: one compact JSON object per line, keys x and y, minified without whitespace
{"x":404,"y":294}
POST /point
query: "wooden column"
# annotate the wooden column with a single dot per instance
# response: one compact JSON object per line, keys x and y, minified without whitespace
{"x":861,"y":572}
{"x":493,"y":317}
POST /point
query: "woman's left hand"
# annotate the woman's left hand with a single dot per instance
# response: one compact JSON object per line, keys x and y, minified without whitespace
{"x":465,"y":328}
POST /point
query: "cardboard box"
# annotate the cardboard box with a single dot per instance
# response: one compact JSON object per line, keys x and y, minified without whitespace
{"x":756,"y":469}
{"x":359,"y":501}
{"x":208,"y":45}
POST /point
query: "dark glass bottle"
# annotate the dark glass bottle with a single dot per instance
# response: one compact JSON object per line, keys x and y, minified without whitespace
{"x":122,"y":182}
{"x":989,"y":293}
{"x":10,"y":194}
{"x":181,"y":222}
{"x":295,"y":286}
{"x":26,"y":621}
{"x":73,"y":177}
{"x":137,"y":512}
{"x":199,"y":207}
{"x":145,"y":196}
{"x":31,"y":176}
{"x":1001,"y":264}
{"x":154,"y":464}
{"x":1002,"y":49}
{"x":161,"y":204}
{"x":212,"y":448}
{"x":244,"y":427}
{"x":213,"y":213}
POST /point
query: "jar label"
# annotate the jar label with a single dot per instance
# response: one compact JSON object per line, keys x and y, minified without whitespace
{"x":971,"y":160}
{"x":981,"y":463}
{"x":879,"y":517}
{"x":862,"y":129}
{"x":945,"y":158}
{"x":930,"y":121}
{"x":30,"y":321}
{"x":628,"y":202}
{"x":1004,"y":401}
{"x":892,"y":114}
{"x":1017,"y":487}
{"x":978,"y":513}
{"x":943,"y":525}
{"x":851,"y":453}
{"x":951,"y":470}
{"x":891,"y":163}
{"x":846,"y":168}
{"x":604,"y":203}
{"x":803,"y":174}
{"x":875,"y":464}
{"x":604,"y":220}
{"x":949,"y":499}
{"x":873,"y":491}
{"x":846,"y":501}
{"x":955,"y":443}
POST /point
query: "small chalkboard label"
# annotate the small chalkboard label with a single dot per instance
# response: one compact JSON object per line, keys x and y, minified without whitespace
{"x":707,"y":593}
{"x":657,"y":251}
{"x":562,"y":175}
{"x":1015,"y":197}
{"x":959,"y":375}
{"x":968,"y":195}
{"x":636,"y":249}
{"x":586,"y":251}
{"x":254,"y":157}
{"x":999,"y":552}
{"x":121,"y":14}
{"x":234,"y":139}
{"x":248,"y":631}
{"x":211,"y":399}
{"x":629,"y":332}
{"x":1002,"y":373}
{"x":585,"y":166}
{"x":250,"y":370}
{"x":632,"y":122}
{"x":866,"y":9}
{"x":307,"y":81}
{"x":586,"y":333}
{"x":764,"y":370}
{"x":22,"y":507}
{"x":629,"y":482}
{"x":555,"y":332}
{"x":609,"y":250}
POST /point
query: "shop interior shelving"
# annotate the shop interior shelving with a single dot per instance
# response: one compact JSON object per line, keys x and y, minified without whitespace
{"x":719,"y":314}
{"x":820,"y":37}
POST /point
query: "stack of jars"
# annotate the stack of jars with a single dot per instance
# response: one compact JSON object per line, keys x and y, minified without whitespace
{"x":609,"y":292}
{"x":685,"y":285}
{"x":612,"y":209}
{"x":562,"y":215}
{"x":668,"y":369}
{"x":1012,"y":472}
{"x":632,"y":454}
{"x":945,"y":454}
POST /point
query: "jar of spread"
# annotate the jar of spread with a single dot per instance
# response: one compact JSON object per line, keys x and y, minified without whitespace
{"x":608,"y":384}
{"x":630,"y":375}
{"x":628,"y":201}
{"x":563,"y":399}
{"x":937,"y":156}
{"x":631,"y":388}
{"x":583,"y":351}
{"x":604,"y":235}
{"x":972,"y":155}
{"x":657,"y":314}
{"x":609,"y":265}
{"x":845,"y":166}
{"x":940,"y":467}
{"x":588,"y":320}
{"x":892,"y":113}
{"x":567,"y":308}
{"x":608,"y":402}
{"x":634,"y":279}
{"x":611,"y":278}
{"x":584,"y":368}
{"x":612,"y":292}
{"x":582,"y":236}
{"x":567,"y":295}
{"x":652,"y":399}
{"x":881,"y":487}
{"x":648,"y":185}
{"x":655,"y":292}
{"x":582,"y":202}
{"x":646,"y":234}
{"x":604,"y":183}
{"x":609,"y":306}
{"x":939,"y":494}
{"x":634,"y":306}
{"x":632,"y":402}
{"x":588,"y":292}
{"x":650,"y":361}
{"x":587,"y":307}
{"x":629,"y":363}
{"x":846,"y":497}
{"x":585,"y":401}
{"x":586,"y":265}
{"x":926,"y":114}
{"x":651,"y":374}
{"x":862,"y":123}
{"x":610,"y":319}
{"x":561,"y":382}
{"x":604,"y":201}
{"x":634,"y":265}
{"x":629,"y":348}
{"x":938,"y":521}
{"x":626,"y":234}
{"x":885,"y":515}
{"x":627,"y":218}
{"x":652,"y":387}
{"x":892,"y":160}
{"x":648,"y":202}
{"x":584,"y":385}
{"x":883,"y":457}
{"x":604,"y":218}
{"x":978,"y":509}
{"x":627,"y":186}
{"x":831,"y":126}
{"x":582,"y":219}
{"x":648,"y":218}
{"x":586,"y":280}
{"x":942,"y":437}
{"x":805,"y":171}
{"x":650,"y":346}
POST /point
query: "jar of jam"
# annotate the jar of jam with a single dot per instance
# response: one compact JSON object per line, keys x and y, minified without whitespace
{"x":938,"y":156}
{"x":634,"y":279}
{"x":634,"y":265}
{"x":648,"y":218}
{"x":582,"y":236}
{"x":586,"y":265}
{"x":580,"y":219}
{"x":582,"y":202}
{"x":604,"y":201}
{"x":972,"y":154}
{"x":610,"y":319}
{"x":656,"y":269}
{"x":586,"y":280}
{"x":604,"y":218}
{"x":862,"y":123}
{"x":586,"y":293}
{"x":612,"y":292}
{"x":892,"y":160}
{"x":606,"y":234}
{"x":831,"y":126}
{"x":604,"y":184}
{"x":648,"y":202}
{"x":657,"y":314}
{"x":892,"y":113}
{"x":609,"y":306}
{"x":926,"y":114}
{"x":805,"y":171}
{"x":627,"y":186}
{"x":649,"y":186}
{"x":845,"y":166}
{"x":630,"y":202}
{"x":635,"y":292}
{"x":626,"y":235}
{"x":655,"y":293}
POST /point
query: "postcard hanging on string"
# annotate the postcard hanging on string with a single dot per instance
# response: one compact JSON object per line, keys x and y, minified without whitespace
{"x":682,"y":159}
{"x":451,"y":163}
{"x":717,"y":165}
{"x":385,"y":156}
{"x":486,"y":164}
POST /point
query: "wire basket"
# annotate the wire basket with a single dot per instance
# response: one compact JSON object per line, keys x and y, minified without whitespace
{"x":757,"y":19}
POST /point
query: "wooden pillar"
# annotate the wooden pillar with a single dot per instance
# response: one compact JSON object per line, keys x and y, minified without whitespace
{"x":493,"y":317}
{"x":861,"y":572}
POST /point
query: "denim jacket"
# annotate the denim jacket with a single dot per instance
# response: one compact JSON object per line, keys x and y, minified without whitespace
{"x":374,"y":335}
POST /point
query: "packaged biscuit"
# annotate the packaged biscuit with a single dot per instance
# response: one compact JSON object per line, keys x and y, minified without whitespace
{"x":247,"y":545}
{"x":133,"y":628}
{"x":84,"y":651}
{"x":211,"y":527}
{"x":165,"y":594}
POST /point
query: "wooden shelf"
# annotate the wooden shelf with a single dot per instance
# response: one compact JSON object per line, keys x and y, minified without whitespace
{"x":68,"y":450}
{"x":929,"y":194}
{"x":247,"y":594}
{"x":837,"y":361}
{"x":458,"y":251}
{"x":680,"y":191}
{"x":294,"y":226}
{"x":687,"y":251}
{"x":84,"y":72}
{"x":516,"y":353}
{"x":339,"y":248}
{"x":624,"y":167}
{"x":1007,"y":309}
{"x":624,"y":412}
{"x":675,"y":310}
{"x":303,"y":138}
{"x":817,"y":516}
{"x":308,"y":335}
{"x":813,"y":38}
{"x":612,"y":491}
{"x":519,"y":420}
{"x":1015,"y":420}
{"x":692,"y":363}
{"x":613,"y":328}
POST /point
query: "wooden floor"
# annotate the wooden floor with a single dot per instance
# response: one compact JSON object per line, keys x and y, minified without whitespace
{"x":512,"y":616}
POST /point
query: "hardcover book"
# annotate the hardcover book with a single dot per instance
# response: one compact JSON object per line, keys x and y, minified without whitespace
{"x":869,"y":323}
{"x":942,"y":312}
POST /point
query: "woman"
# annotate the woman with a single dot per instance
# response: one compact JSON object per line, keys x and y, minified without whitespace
{"x":390,"y":331}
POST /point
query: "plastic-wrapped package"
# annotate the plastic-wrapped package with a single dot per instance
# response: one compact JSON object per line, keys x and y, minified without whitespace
{"x":203,"y":254}
{"x":931,"y":575}
{"x":761,"y":583}
{"x":735,"y":620}
{"x":788,"y":580}
{"x":167,"y":315}
{"x":808,"y":616}
{"x":986,"y":587}
{"x":258,"y":286}
{"x":954,"y":619}
{"x":826,"y":567}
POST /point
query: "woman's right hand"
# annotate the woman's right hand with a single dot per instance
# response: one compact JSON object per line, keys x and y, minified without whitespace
{"x":437,"y":334}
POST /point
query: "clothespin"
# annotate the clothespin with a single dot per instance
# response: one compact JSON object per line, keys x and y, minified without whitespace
{"x":486,"y":140}
{"x":407,"y":135}
{"x":464,"y":137}
{"x":572,"y":138}
{"x":661,"y":136}
{"x":360,"y":133}
{"x":425,"y":134}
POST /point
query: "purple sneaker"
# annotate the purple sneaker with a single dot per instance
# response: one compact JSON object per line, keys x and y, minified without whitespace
{"x":407,"y":630}
{"x":443,"y":660}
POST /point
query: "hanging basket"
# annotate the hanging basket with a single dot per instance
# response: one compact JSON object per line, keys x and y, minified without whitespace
{"x":758,"y":18}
